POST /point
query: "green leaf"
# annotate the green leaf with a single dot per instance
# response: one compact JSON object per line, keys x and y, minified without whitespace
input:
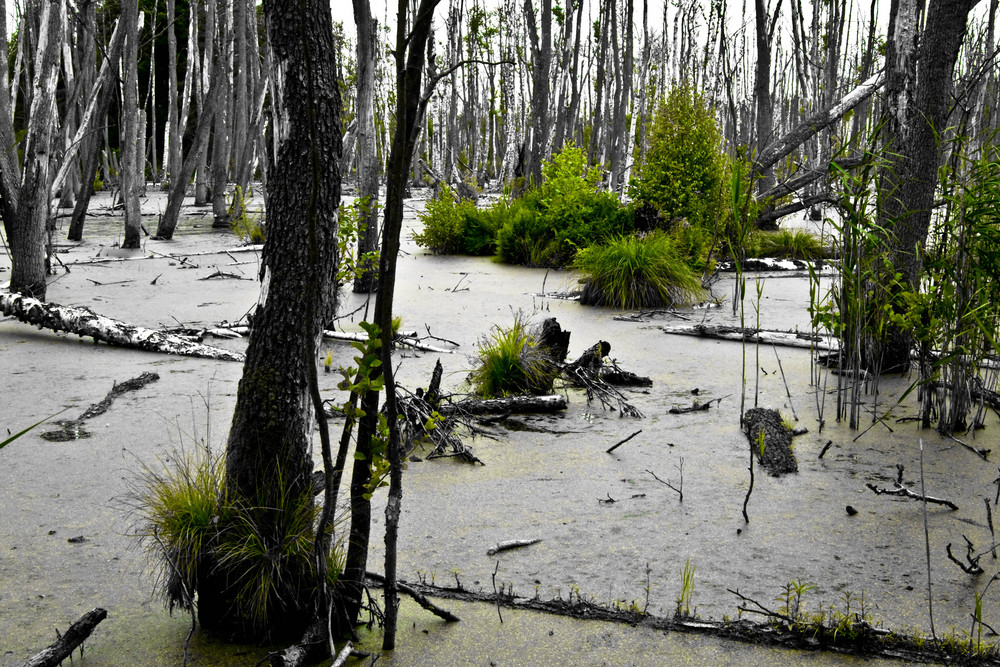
{"x":20,"y":433}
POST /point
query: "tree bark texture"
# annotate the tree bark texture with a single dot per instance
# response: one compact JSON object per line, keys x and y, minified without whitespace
{"x":270,"y":431}
{"x":132,"y":158}
{"x":27,"y":236}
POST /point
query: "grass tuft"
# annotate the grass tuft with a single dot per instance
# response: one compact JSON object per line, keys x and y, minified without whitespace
{"x":629,"y":272}
{"x":790,"y":244}
{"x":510,"y":363}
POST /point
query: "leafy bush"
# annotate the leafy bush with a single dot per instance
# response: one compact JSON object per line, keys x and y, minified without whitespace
{"x":511,"y":364}
{"x":566,"y":212}
{"x":684,"y":171}
{"x":786,"y":243}
{"x":630,"y":272}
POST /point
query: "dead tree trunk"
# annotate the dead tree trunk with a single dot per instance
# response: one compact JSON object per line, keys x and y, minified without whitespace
{"x":368,"y":176}
{"x":132,"y":159}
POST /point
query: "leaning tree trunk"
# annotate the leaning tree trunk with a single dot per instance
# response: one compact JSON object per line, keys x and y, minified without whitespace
{"x":271,"y":428}
{"x":27,"y":238}
{"x":367,"y":27}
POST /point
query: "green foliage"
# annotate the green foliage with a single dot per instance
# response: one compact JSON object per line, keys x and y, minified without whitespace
{"x":351,"y":228}
{"x":444,"y":224}
{"x":684,"y":171}
{"x":248,"y":226}
{"x":789,"y":244}
{"x":98,"y":184}
{"x":566,"y":212}
{"x":629,"y":272}
{"x":687,"y":590}
{"x":511,"y":364}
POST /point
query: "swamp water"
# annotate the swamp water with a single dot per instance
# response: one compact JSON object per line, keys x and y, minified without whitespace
{"x":545,"y":477}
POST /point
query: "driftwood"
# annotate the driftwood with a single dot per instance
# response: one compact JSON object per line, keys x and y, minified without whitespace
{"x":588,"y":371}
{"x":71,"y":429}
{"x":63,"y":647}
{"x":751,"y":335}
{"x":695,"y":407}
{"x":510,"y":544}
{"x":761,"y":424}
{"x":84,"y":322}
{"x":508,"y":404}
{"x":422,"y":418}
{"x":771,"y":264}
{"x":900,"y":490}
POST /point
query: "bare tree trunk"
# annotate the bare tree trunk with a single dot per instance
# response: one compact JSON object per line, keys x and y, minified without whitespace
{"x":132,"y":160}
{"x":763,"y":135}
{"x":10,"y":170}
{"x":223,"y":125}
{"x":172,"y":132}
{"x":367,"y":27}
{"x":596,"y":134}
{"x":541,"y":61}
{"x":27,"y":239}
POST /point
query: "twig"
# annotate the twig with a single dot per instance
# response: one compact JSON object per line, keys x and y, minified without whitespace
{"x":680,"y":491}
{"x":622,"y":442}
{"x":901,"y":490}
{"x":989,"y":521}
{"x":980,"y":451}
{"x":828,"y":445}
{"x":927,"y":536}
{"x":787,"y":392}
{"x":762,"y":610}
{"x":495,"y":570}
{"x":973,"y":567}
{"x":511,"y":544}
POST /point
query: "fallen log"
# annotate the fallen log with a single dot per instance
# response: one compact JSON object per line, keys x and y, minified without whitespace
{"x":509,"y":404}
{"x":63,"y":647}
{"x":85,"y":322}
{"x":510,"y":544}
{"x":751,"y":335}
{"x":770,"y":440}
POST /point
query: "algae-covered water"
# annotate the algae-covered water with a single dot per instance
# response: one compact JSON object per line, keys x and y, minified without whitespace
{"x":546,"y":477}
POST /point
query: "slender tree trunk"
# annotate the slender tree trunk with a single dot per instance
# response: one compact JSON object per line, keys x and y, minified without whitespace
{"x":223,"y":117}
{"x":173,"y":132}
{"x":367,"y":27}
{"x":541,"y":62}
{"x":132,"y":159}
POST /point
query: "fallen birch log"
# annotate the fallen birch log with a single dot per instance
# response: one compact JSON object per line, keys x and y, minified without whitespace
{"x":178,"y":257}
{"x":84,"y":322}
{"x":751,"y":335}
{"x":509,"y":404}
{"x":511,"y":544}
{"x":61,"y":649}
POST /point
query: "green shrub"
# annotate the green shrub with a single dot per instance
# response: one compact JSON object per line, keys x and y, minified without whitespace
{"x":565,"y":213}
{"x":786,"y":243}
{"x":684,"y":171}
{"x":510,"y":363}
{"x":630,"y":272}
{"x":443,"y":227}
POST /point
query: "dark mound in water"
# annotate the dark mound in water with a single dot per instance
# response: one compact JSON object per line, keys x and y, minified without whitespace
{"x":777,"y":456}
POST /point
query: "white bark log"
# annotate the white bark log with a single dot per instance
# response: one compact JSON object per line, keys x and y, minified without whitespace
{"x":84,"y":322}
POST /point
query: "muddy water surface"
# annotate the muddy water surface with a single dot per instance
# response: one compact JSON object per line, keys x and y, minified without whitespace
{"x":545,"y":477}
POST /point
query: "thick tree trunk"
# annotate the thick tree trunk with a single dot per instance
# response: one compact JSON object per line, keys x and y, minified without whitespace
{"x":27,"y":238}
{"x":919,"y":84}
{"x":271,"y":429}
{"x":365,"y":280}
{"x":10,"y":170}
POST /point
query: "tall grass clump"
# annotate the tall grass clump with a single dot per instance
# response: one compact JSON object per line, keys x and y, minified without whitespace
{"x":790,"y":244}
{"x":247,"y":225}
{"x":202,"y":542}
{"x":510,"y":363}
{"x":630,"y":272}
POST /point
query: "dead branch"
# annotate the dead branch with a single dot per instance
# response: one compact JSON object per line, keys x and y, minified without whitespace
{"x":900,"y":490}
{"x":622,"y":442}
{"x":679,"y":489}
{"x":64,"y":646}
{"x":761,"y":609}
{"x":973,"y":566}
{"x":420,"y":599}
